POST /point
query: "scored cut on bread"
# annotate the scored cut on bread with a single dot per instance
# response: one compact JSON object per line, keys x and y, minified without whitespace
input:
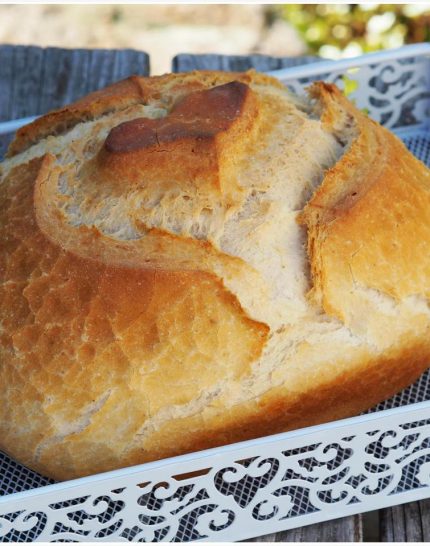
{"x":196,"y":259}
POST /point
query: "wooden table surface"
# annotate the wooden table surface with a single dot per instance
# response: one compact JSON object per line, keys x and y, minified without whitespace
{"x":35,"y":80}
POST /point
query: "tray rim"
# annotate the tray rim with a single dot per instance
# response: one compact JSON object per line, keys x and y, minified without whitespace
{"x":282,"y":74}
{"x":302,"y":71}
{"x":363,"y":419}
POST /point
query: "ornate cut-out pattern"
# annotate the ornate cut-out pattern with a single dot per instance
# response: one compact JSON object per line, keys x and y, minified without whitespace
{"x":394,"y":93}
{"x":277,"y":485}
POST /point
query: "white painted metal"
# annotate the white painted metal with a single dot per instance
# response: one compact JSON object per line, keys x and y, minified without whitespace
{"x":392,"y":86}
{"x":279,"y":482}
{"x":14,"y":124}
{"x":245,"y":490}
{"x":405,"y":52}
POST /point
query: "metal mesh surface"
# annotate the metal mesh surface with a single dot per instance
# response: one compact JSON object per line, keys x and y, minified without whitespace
{"x":15,"y":478}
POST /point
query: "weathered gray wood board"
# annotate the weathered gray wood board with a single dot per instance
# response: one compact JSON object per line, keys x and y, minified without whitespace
{"x":406,"y":523}
{"x":34,"y":80}
{"x":236,"y":63}
{"x":347,"y":529}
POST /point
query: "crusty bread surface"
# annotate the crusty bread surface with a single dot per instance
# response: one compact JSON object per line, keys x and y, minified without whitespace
{"x":196,"y":259}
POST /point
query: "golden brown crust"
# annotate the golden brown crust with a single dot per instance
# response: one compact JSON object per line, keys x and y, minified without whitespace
{"x":133,"y":90}
{"x":115,"y":97}
{"x":368,"y":221}
{"x":69,"y":322}
{"x":199,"y":115}
{"x":212,"y":125}
{"x":120,"y":349}
{"x":345,"y":394}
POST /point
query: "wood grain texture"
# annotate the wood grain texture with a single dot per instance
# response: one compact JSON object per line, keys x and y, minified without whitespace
{"x":34,"y":80}
{"x":236,"y":63}
{"x":406,"y":522}
{"x":347,"y":529}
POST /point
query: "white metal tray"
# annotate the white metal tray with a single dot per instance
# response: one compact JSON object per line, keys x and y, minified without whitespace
{"x":375,"y":460}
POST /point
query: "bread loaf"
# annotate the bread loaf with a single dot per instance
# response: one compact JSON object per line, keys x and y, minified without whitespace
{"x":196,"y":259}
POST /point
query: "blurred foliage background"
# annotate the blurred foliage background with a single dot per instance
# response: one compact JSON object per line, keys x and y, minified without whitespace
{"x":339,"y":30}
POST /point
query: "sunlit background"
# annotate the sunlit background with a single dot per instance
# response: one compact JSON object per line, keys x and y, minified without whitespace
{"x":328,"y":30}
{"x":345,"y":30}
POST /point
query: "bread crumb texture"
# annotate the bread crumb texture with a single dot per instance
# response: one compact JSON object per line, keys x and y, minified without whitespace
{"x":196,"y":259}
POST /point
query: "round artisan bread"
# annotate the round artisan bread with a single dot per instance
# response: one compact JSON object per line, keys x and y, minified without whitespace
{"x":196,"y":259}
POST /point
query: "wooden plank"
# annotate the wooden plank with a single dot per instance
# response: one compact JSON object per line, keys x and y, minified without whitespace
{"x":34,"y":80}
{"x":107,"y":66}
{"x":70,"y":74}
{"x":425,"y":518}
{"x":25,"y":81}
{"x":236,"y":63}
{"x":6,"y":89}
{"x":63,"y":78}
{"x":347,"y":529}
{"x":406,"y":522}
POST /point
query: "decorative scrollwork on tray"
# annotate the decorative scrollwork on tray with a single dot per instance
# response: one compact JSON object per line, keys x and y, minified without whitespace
{"x":209,"y":502}
{"x":394,"y":93}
